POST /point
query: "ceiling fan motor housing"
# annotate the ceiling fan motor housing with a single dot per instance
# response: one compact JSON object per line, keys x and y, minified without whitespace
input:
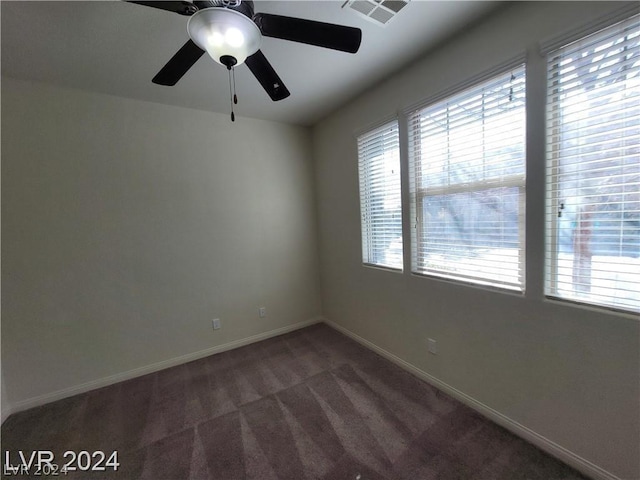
{"x":245,"y":7}
{"x":225,"y":33}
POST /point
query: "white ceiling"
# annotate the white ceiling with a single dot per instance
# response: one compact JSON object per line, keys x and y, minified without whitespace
{"x":116,"y":48}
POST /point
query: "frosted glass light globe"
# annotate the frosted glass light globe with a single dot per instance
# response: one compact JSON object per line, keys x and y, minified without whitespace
{"x":224,"y":32}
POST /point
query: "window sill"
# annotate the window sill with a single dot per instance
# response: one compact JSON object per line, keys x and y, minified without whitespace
{"x":463,"y":283}
{"x":567,"y":302}
{"x":382,"y":268}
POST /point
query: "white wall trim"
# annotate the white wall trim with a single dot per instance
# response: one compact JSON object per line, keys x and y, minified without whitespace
{"x":6,"y":411}
{"x":552,"y":448}
{"x":138,"y":372}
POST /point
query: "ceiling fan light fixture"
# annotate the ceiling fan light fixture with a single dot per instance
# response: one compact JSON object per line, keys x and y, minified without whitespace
{"x":222,"y":32}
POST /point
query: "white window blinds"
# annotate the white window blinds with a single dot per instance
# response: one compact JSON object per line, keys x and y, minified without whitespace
{"x":593,"y":165}
{"x":467,"y":169}
{"x":380,"y":198}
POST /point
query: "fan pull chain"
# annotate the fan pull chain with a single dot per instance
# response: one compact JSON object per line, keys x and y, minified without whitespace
{"x":229,"y":62}
{"x":232,"y":94}
{"x":235,"y":97}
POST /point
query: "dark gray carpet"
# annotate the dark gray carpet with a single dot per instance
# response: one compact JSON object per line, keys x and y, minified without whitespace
{"x":312,"y":404}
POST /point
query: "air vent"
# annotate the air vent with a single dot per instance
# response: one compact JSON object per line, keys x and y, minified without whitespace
{"x":377,"y":11}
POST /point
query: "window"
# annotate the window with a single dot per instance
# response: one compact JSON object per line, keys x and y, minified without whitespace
{"x":467,"y":161}
{"x":380,"y":199}
{"x":593,"y":168}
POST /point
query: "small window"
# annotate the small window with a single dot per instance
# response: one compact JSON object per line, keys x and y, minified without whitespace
{"x":467,"y":161}
{"x":380,"y":198}
{"x":593,"y":169}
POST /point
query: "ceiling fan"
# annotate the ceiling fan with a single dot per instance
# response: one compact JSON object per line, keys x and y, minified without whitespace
{"x":231,"y":33}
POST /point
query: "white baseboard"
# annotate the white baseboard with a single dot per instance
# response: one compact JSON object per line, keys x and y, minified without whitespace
{"x":138,"y":372}
{"x":552,"y":448}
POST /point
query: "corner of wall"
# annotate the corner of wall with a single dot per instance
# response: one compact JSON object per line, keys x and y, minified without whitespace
{"x":5,"y":407}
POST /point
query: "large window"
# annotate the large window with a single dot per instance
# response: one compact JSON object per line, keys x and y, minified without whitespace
{"x":593,"y":159}
{"x":467,"y":168}
{"x":380,"y":199}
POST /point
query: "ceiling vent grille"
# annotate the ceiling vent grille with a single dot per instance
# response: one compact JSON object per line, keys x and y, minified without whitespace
{"x":377,"y":11}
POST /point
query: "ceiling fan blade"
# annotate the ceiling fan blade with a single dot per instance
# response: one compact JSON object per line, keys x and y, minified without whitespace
{"x":179,"y":64}
{"x":327,"y":35}
{"x":183,"y":8}
{"x":267,"y":76}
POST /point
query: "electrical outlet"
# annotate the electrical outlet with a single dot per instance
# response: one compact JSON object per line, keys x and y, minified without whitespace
{"x":432,"y":346}
{"x":216,"y":323}
{"x":262,"y":312}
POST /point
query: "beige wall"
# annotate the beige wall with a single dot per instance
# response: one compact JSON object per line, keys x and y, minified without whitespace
{"x":128,"y":226}
{"x":569,"y":374}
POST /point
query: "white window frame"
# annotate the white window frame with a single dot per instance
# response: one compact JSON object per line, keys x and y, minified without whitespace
{"x":555,"y":287}
{"x":379,"y":163}
{"x":418,"y":193}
